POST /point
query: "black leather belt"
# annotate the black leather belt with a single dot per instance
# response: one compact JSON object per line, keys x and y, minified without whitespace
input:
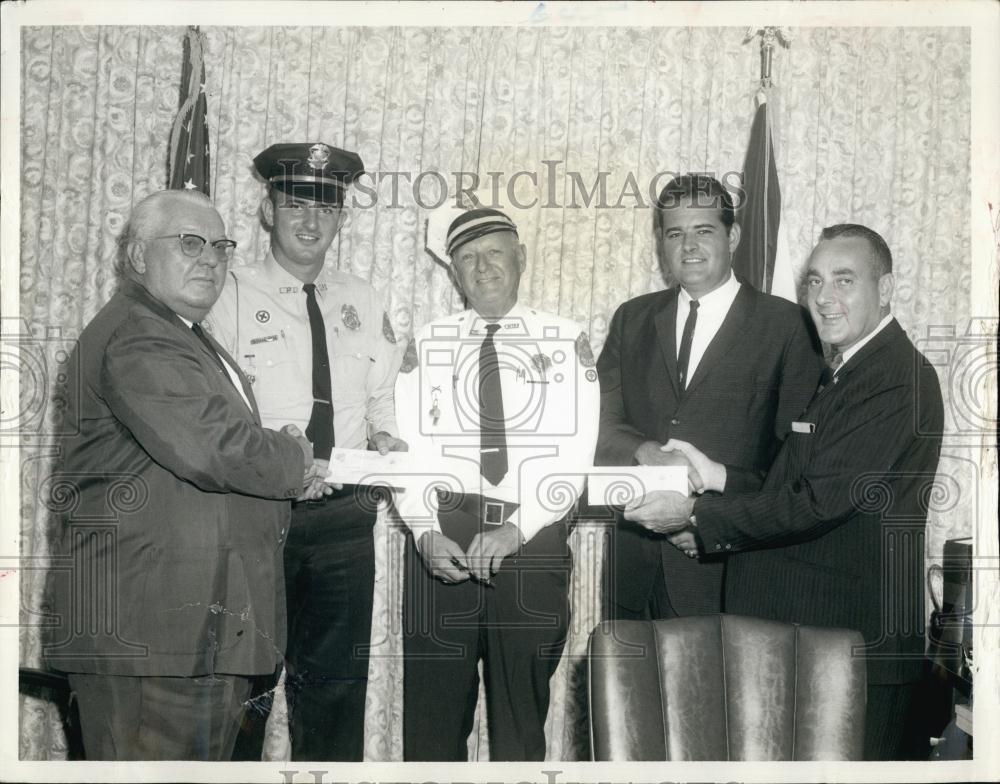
{"x":364,"y":495}
{"x":491,"y":511}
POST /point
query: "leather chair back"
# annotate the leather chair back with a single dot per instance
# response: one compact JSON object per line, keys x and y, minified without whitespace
{"x":725,"y":687}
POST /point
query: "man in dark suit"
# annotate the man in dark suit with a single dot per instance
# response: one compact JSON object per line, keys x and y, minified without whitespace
{"x":835,"y":535}
{"x":710,"y":361}
{"x":168,"y":587}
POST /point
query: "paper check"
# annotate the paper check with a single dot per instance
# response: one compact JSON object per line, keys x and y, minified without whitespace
{"x":608,"y":486}
{"x":618,"y":485}
{"x":364,"y":467}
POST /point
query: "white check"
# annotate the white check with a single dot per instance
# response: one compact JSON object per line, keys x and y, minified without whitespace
{"x":618,"y":485}
{"x":365,"y":467}
{"x":608,"y":485}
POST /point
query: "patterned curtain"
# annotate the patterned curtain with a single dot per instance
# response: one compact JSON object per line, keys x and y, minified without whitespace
{"x":872,"y":126}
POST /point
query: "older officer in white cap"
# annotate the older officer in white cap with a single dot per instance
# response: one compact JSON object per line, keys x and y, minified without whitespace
{"x":321,"y":353}
{"x":512,"y":392}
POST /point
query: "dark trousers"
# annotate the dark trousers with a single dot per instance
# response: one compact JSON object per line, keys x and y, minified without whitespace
{"x":329,"y":581}
{"x":159,"y":718}
{"x":657,"y":606}
{"x":518,"y":628}
{"x":887,"y":721}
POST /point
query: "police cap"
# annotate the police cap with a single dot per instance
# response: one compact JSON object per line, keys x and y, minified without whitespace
{"x":310,"y":170}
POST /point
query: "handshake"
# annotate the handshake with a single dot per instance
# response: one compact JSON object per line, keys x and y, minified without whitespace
{"x":670,"y":513}
{"x":314,"y":484}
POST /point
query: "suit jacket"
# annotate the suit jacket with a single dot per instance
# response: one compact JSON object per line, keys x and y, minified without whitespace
{"x":756,"y":375}
{"x":168,"y":553}
{"x":835,"y":536}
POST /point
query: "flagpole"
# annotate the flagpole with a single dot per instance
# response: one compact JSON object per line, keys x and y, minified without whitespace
{"x":762,"y":257}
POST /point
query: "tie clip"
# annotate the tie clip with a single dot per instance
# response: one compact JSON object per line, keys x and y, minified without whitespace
{"x":320,"y":400}
{"x":491,"y":449}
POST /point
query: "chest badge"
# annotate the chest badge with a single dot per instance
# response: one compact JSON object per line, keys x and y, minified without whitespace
{"x":262,"y":316}
{"x":542,"y":363}
{"x":349,"y":315}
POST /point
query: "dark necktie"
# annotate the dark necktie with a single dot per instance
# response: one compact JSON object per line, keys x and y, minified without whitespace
{"x":492,"y":430}
{"x":320,"y":428}
{"x":197,"y":330}
{"x":684,"y":355}
{"x":833,"y":363}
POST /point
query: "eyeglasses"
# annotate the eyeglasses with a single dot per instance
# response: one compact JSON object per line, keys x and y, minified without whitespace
{"x":192,"y":245}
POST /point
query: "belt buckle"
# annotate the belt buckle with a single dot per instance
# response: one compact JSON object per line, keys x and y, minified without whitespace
{"x":493,"y":512}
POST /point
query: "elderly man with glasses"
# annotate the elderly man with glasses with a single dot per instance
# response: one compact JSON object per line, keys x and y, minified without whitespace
{"x":167,"y":582}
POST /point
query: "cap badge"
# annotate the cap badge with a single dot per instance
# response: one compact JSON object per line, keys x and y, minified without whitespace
{"x":319,"y":156}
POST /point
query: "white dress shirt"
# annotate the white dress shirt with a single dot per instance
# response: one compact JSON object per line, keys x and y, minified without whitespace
{"x":712,"y":310}
{"x":551,"y":400}
{"x":850,"y":352}
{"x":233,"y":375}
{"x":261,"y":319}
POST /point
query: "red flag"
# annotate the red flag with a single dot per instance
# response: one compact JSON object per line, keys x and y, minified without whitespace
{"x":761,"y":259}
{"x":189,"y":156}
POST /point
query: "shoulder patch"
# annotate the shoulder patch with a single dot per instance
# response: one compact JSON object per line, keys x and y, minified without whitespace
{"x":387,"y":329}
{"x":410,"y":358}
{"x":583,"y":351}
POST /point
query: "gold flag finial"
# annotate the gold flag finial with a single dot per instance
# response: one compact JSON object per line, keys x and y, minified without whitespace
{"x":769,"y":37}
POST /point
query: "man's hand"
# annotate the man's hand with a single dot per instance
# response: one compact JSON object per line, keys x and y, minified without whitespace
{"x":440,"y":554}
{"x":316,"y":486}
{"x":713,"y":474}
{"x":386,"y":443}
{"x":653,"y":453}
{"x":660,"y":511}
{"x":488,"y":549}
{"x":307,"y":454}
{"x":686,"y":541}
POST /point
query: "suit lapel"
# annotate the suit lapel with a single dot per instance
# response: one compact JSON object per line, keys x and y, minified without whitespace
{"x":244,"y":381}
{"x":665,"y":322}
{"x":226,"y":360}
{"x":139,"y":292}
{"x":734,"y":326}
{"x":892,"y":331}
{"x":868,"y":352}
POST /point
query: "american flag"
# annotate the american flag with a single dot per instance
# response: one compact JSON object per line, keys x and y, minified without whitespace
{"x":189,"y":161}
{"x":762,"y":258}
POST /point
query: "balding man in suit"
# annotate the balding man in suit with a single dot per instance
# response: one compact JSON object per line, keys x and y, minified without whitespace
{"x":175,"y":598}
{"x":835,"y":535}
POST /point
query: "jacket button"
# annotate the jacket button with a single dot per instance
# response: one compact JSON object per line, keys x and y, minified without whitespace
{"x":675,"y":421}
{"x":718,"y":547}
{"x":239,"y":633}
{"x":729,"y":547}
